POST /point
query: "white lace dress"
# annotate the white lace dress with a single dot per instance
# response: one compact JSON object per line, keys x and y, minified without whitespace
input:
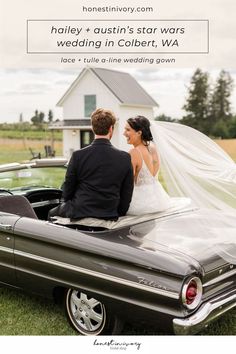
{"x":148,"y":196}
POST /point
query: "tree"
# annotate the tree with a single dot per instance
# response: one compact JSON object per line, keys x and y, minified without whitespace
{"x":232,"y":128}
{"x":196,"y":104}
{"x":164,"y":118}
{"x":35,"y":119}
{"x":220,"y":106}
{"x":220,"y":130}
{"x":41,"y":117}
{"x":21,"y":118}
{"x":50,"y":116}
{"x":38,"y":118}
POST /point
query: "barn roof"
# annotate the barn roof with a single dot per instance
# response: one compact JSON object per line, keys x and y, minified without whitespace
{"x":122,"y":85}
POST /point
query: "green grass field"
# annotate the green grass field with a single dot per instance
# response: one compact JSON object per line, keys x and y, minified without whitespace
{"x":17,"y":150}
{"x":25,"y":314}
{"x":30,"y":135}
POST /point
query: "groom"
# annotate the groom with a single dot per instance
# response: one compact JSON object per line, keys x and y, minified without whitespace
{"x":99,"y":178}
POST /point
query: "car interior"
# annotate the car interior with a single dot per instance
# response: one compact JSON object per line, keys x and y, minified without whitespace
{"x":17,"y":204}
{"x":36,"y":204}
{"x":33,"y":204}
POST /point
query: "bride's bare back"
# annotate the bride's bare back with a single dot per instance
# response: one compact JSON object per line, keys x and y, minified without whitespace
{"x":146,"y":154}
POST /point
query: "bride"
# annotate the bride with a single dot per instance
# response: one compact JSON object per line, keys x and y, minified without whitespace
{"x":148,"y":196}
{"x":192,"y":165}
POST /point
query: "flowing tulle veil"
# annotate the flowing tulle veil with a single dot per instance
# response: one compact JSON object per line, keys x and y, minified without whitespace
{"x":194,"y":166}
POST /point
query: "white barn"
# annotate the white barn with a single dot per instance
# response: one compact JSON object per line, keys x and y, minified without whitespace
{"x":100,"y":88}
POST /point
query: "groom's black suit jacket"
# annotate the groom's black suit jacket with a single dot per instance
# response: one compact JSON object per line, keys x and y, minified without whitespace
{"x":99,"y":182}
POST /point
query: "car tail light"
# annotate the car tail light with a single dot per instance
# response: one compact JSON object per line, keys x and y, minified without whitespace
{"x":192,"y":293}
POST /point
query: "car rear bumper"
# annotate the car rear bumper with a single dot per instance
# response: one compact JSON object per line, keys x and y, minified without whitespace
{"x":205,"y":314}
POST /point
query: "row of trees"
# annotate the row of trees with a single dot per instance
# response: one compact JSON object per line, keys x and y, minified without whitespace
{"x":208,"y":107}
{"x":37,"y":122}
{"x":39,"y":118}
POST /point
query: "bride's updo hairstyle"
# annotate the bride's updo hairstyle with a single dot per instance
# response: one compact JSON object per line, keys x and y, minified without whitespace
{"x":140,"y":123}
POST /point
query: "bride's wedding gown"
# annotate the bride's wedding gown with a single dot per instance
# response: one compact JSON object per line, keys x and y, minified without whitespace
{"x":149,"y":196}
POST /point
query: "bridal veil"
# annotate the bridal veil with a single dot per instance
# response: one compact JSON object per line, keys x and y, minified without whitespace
{"x":194,"y":166}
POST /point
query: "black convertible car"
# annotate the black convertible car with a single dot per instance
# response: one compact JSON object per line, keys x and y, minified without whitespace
{"x":155,"y":268}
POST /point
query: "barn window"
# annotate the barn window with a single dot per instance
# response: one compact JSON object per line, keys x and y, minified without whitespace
{"x":89,"y":104}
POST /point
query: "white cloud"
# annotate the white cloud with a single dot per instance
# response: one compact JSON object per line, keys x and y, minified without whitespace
{"x":23,"y":91}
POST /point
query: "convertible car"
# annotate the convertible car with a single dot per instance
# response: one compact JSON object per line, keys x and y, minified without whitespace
{"x":158,"y":268}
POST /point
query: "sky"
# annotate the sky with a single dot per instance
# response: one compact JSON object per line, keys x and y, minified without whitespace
{"x":25,"y":90}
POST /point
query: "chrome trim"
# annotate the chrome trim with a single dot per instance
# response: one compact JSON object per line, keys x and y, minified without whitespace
{"x":205,"y":314}
{"x":45,"y":162}
{"x":111,"y":278}
{"x":6,"y":227}
{"x":6,"y":249}
{"x":45,"y":202}
{"x":220,"y":278}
